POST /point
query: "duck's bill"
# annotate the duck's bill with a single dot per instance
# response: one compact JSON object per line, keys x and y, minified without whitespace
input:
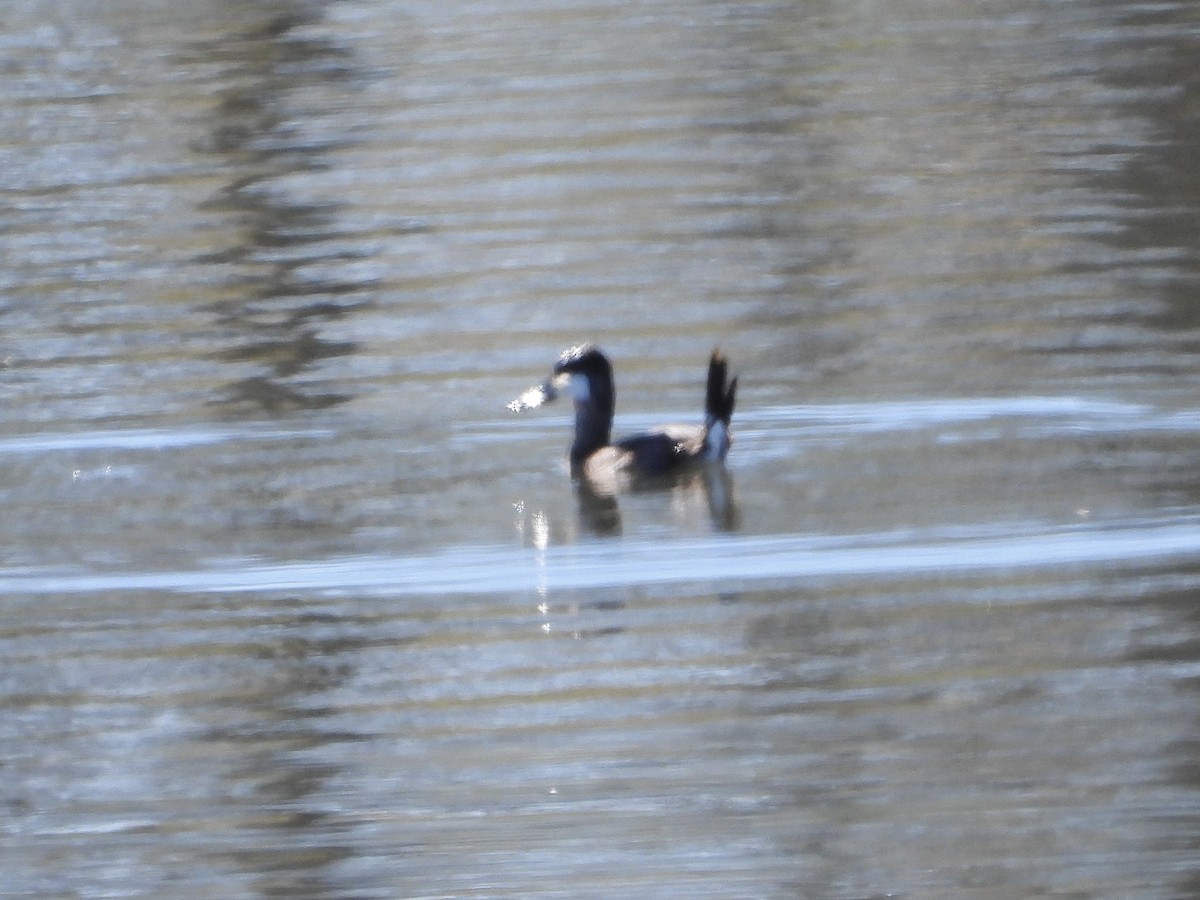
{"x":534,"y":397}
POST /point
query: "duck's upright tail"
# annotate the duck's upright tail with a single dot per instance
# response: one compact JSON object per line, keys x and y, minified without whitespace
{"x":719,"y":399}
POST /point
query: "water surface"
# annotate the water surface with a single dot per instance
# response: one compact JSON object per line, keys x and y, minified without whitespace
{"x":291,"y":605}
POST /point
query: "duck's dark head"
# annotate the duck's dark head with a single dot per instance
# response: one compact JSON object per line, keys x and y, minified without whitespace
{"x":585,"y":375}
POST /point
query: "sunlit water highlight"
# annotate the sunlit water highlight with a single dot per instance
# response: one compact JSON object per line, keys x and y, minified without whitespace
{"x":291,"y":605}
{"x":720,"y":563}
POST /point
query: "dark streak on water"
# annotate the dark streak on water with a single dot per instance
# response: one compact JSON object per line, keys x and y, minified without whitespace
{"x":291,"y":606}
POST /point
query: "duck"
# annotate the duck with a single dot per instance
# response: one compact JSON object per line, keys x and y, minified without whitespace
{"x":585,"y":374}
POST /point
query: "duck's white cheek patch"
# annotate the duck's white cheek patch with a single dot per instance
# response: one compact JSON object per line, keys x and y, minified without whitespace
{"x":576,"y":386}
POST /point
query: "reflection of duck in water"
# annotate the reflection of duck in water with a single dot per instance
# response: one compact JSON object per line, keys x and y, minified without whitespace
{"x":585,"y":373}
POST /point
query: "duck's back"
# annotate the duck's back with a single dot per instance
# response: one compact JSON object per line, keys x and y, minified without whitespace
{"x":663,"y":450}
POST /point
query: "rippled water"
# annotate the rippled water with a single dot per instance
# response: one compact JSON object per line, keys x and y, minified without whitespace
{"x":291,"y":605}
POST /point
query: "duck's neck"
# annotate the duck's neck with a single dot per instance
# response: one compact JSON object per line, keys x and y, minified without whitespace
{"x":593,"y":425}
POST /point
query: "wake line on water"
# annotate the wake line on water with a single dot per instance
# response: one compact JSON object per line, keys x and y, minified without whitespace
{"x":720,"y":560}
{"x":147,"y":439}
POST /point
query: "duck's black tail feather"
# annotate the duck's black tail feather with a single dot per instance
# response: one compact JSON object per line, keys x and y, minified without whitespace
{"x":719,"y":396}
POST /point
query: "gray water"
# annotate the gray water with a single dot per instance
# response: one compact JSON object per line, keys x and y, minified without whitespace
{"x":291,"y":605}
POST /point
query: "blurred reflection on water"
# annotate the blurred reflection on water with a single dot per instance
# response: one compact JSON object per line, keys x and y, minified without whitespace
{"x":291,"y":605}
